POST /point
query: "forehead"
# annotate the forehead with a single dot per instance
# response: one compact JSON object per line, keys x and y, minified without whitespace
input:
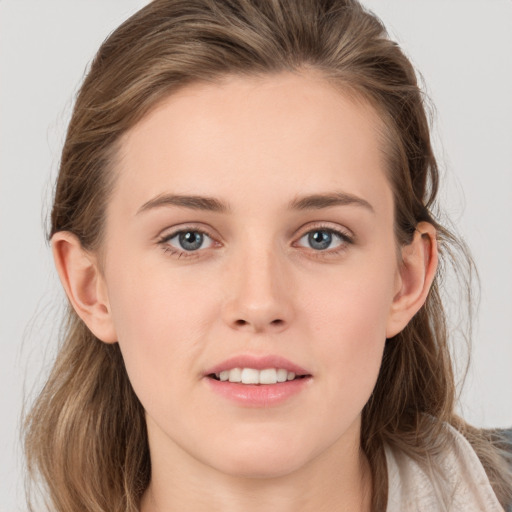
{"x":276,"y":135}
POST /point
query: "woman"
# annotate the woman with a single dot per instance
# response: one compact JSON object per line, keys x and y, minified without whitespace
{"x":244,"y":224}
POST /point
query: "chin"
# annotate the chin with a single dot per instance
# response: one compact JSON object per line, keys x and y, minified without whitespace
{"x":263,"y":457}
{"x":262,"y":468}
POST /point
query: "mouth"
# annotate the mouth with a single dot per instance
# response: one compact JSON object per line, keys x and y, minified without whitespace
{"x":258,"y":380}
{"x":263,"y":387}
{"x":256,"y":377}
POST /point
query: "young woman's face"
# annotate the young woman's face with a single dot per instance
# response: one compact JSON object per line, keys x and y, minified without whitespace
{"x":251,"y":226}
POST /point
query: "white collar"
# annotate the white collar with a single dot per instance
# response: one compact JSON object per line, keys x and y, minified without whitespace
{"x":462,"y":486}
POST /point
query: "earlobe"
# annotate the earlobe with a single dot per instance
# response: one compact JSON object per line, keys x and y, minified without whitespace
{"x":84,"y":284}
{"x":419,"y":265}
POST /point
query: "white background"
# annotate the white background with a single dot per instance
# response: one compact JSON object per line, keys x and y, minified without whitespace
{"x":463,"y":49}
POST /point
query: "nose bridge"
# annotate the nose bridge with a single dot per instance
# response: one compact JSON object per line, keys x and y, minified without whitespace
{"x":258,"y":296}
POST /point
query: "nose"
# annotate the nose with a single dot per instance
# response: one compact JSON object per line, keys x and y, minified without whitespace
{"x":258,"y":293}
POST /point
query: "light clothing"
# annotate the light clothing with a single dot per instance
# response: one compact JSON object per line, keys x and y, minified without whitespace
{"x":463,"y":485}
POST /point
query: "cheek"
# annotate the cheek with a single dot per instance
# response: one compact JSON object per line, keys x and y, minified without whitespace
{"x":352,"y":303}
{"x":349,"y":326}
{"x":151,"y":302}
{"x":160,"y":323}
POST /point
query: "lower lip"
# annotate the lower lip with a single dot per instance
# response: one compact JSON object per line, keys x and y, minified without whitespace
{"x":258,"y":395}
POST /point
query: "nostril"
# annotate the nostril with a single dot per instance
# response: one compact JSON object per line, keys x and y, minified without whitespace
{"x":240,"y":322}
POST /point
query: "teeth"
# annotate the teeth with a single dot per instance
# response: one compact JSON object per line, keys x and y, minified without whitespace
{"x":252,"y":376}
{"x":282,"y":375}
{"x":268,"y":376}
{"x":235,"y":375}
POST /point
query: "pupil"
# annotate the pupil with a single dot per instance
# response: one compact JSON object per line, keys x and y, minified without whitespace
{"x":191,"y":240}
{"x":320,"y":239}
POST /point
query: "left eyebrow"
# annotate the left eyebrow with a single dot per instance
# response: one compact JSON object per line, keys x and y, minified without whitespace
{"x":319,"y":201}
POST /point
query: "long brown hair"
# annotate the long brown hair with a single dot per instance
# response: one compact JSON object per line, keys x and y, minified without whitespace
{"x":86,"y":434}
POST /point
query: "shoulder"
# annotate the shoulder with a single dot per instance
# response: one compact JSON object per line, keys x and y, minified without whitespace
{"x":459,"y":484}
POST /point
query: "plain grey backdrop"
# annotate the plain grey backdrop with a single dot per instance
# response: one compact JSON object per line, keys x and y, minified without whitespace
{"x":463,"y":49}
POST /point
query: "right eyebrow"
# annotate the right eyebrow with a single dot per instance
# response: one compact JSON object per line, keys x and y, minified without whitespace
{"x":185,"y":201}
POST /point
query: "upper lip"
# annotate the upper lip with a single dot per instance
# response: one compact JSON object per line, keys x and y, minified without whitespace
{"x":258,"y":363}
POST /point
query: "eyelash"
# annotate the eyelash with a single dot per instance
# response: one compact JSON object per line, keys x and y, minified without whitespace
{"x":345,"y":240}
{"x":173,"y":251}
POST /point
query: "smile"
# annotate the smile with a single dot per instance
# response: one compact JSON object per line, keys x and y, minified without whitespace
{"x":258,"y":395}
{"x":251,"y":380}
{"x":254,"y":376}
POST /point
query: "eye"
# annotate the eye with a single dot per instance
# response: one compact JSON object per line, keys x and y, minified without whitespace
{"x":188,"y":240}
{"x":323,"y":239}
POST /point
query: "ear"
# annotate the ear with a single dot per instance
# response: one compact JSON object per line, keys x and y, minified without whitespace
{"x":84,"y":284}
{"x":418,"y":268}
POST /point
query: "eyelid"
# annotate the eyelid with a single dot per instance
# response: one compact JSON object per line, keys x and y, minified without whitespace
{"x":345,"y":236}
{"x":169,"y":233}
{"x":342,"y":231}
{"x":168,"y":239}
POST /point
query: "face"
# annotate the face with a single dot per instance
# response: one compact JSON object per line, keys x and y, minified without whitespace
{"x":251,"y":226}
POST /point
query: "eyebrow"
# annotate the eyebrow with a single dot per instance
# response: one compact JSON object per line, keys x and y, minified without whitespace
{"x":185,"y":201}
{"x":204,"y":203}
{"x":319,"y":201}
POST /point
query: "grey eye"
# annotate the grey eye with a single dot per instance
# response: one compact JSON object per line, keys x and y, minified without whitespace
{"x":190,"y":240}
{"x":319,"y":240}
{"x":322,"y":239}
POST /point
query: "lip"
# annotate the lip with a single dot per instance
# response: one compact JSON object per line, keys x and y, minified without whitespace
{"x":258,"y":363}
{"x":258,"y":395}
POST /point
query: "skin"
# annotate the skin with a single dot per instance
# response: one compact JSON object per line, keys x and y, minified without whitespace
{"x":256,"y":286}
